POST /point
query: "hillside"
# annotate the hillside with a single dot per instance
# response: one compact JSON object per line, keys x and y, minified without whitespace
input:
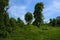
{"x":31,"y":32}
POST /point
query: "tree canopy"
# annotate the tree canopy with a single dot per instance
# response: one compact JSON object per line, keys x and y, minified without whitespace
{"x":28,"y":17}
{"x":38,"y":14}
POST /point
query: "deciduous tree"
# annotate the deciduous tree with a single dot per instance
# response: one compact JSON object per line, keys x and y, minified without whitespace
{"x":38,"y":14}
{"x":28,"y":17}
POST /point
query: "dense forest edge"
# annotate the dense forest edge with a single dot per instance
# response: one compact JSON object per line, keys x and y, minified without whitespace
{"x":34,"y":27}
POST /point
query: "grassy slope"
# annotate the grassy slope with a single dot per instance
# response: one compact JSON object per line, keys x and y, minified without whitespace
{"x":33,"y":33}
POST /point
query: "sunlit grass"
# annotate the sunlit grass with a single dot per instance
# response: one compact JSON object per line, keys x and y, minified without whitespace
{"x":30,"y":32}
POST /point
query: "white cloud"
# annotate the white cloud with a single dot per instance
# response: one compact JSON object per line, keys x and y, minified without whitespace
{"x":17,"y":11}
{"x":20,"y":10}
{"x":52,"y":9}
{"x":55,"y":6}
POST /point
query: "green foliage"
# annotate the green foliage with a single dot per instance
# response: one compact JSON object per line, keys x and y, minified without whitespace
{"x":12,"y":23}
{"x":14,"y":28}
{"x":58,"y":21}
{"x":3,"y":21}
{"x":38,"y":14}
{"x":6,"y":20}
{"x":3,"y":33}
{"x":3,"y":3}
{"x":50,"y":21}
{"x":19,"y":22}
{"x":55,"y":21}
{"x":39,"y":6}
{"x":31,"y":32}
{"x":28,"y":17}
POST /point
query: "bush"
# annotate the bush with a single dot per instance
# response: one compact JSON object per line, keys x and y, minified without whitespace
{"x":3,"y":34}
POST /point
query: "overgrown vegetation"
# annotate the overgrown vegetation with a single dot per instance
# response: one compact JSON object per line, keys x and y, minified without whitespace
{"x":12,"y":29}
{"x":55,"y":21}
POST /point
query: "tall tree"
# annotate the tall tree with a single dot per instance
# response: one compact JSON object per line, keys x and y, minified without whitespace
{"x":28,"y":17}
{"x":6,"y":21}
{"x":38,"y":14}
{"x":3,"y":4}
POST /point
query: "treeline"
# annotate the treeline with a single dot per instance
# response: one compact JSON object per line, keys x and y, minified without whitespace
{"x":55,"y":21}
{"x":7,"y":24}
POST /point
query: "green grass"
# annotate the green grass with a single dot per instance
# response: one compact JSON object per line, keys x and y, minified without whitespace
{"x":31,"y":32}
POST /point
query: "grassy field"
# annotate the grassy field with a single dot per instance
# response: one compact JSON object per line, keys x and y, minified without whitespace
{"x":31,"y":32}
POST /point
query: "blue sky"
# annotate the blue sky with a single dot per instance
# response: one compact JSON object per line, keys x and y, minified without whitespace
{"x":18,"y":8}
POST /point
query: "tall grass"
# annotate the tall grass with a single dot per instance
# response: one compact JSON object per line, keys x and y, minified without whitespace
{"x":30,"y":32}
